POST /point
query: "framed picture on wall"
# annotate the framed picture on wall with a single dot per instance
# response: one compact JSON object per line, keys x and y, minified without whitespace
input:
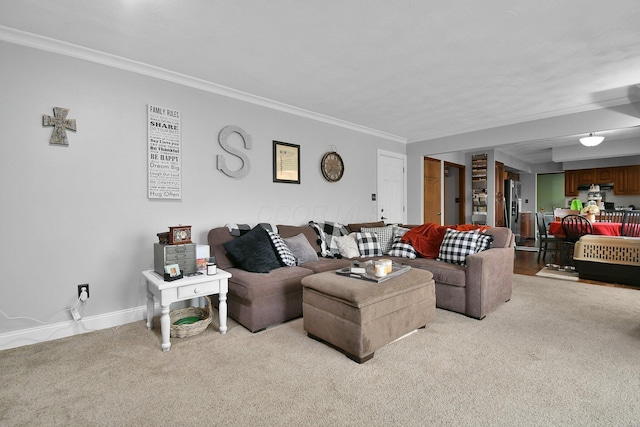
{"x":286,"y":162}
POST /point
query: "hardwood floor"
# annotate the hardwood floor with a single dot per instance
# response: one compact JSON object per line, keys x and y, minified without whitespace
{"x":526,"y":263}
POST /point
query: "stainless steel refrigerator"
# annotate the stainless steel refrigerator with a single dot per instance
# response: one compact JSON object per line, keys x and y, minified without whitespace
{"x":513,"y":206}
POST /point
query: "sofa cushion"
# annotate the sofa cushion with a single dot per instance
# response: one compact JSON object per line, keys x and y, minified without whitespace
{"x":368,"y":245}
{"x":502,"y":236}
{"x":253,"y":251}
{"x":327,"y":264}
{"x":249,"y":287}
{"x":457,"y":245}
{"x":384,"y":235}
{"x":301,"y":248}
{"x":284,"y":253}
{"x":443,"y":272}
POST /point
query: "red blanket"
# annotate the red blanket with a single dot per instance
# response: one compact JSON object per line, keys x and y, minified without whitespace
{"x":427,"y":238}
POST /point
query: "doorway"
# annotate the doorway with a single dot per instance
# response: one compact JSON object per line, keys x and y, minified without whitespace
{"x":454,"y":199}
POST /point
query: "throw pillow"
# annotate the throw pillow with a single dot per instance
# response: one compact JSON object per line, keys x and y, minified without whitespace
{"x":284,"y":253}
{"x":301,"y":248}
{"x":238,"y":229}
{"x":457,"y":245}
{"x":253,"y":251}
{"x":401,"y":249}
{"x":384,"y":235}
{"x":399,"y":231}
{"x":368,"y":244}
{"x":348,"y":246}
{"x":326,"y":232}
{"x":357,"y":227}
{"x":484,"y":242}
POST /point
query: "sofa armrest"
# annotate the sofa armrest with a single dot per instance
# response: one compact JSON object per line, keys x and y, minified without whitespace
{"x":489,"y":280}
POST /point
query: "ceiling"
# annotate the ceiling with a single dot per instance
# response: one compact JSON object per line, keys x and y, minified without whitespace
{"x":414,"y":69}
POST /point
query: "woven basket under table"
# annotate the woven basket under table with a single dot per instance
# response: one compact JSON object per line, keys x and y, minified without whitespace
{"x":189,"y":330}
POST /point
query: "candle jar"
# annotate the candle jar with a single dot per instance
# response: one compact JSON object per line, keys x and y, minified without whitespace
{"x":380,"y":269}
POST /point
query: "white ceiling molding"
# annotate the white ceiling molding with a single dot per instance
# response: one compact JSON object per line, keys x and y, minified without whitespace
{"x":62,"y":48}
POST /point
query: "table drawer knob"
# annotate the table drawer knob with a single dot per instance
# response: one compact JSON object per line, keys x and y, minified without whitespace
{"x":196,"y":290}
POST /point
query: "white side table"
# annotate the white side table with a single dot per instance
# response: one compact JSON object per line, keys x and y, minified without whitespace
{"x":184,"y":289}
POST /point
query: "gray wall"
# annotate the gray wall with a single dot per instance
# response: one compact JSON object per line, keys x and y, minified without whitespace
{"x":80,"y":214}
{"x":617,"y":117}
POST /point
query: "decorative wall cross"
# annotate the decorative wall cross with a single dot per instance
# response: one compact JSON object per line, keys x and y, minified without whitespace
{"x":60,"y":125}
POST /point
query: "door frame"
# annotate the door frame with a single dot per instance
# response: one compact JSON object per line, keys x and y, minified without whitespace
{"x":399,"y":156}
{"x":461,"y":191}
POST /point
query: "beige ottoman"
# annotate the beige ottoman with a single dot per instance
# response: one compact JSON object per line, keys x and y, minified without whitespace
{"x":358,"y":317}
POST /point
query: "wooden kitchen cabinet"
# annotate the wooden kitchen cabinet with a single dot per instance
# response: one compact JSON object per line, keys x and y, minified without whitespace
{"x":627,"y":181}
{"x":633,"y":179}
{"x":587,"y":176}
{"x":604,"y":175}
{"x":571,"y":183}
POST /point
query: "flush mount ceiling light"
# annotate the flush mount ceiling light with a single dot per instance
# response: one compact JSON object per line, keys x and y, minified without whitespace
{"x":591,"y":140}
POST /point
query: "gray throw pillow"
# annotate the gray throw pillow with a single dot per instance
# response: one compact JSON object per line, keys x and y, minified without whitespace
{"x":301,"y":248}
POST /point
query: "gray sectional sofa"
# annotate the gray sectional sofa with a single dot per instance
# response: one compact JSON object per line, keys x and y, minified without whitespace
{"x":259,"y":300}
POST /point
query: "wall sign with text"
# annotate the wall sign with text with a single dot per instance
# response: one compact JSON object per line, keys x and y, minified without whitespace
{"x":164,"y":153}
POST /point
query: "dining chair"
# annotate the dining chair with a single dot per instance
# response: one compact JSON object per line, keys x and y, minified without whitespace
{"x":574,"y":227}
{"x":548,"y":243}
{"x":631,"y":224}
{"x":610,"y":216}
{"x":559,"y":213}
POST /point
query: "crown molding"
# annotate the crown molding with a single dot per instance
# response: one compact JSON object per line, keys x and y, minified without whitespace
{"x":35,"y":41}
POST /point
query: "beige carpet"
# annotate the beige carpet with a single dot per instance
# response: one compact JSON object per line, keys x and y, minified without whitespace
{"x":559,"y":353}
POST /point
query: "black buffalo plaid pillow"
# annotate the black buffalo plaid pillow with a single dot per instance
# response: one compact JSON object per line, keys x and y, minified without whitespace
{"x":457,"y":245}
{"x":368,"y":245}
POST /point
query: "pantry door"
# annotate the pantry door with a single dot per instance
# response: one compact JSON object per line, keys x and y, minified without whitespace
{"x":432,"y":199}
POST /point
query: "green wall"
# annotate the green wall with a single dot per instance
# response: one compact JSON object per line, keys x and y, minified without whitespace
{"x":550,"y":193}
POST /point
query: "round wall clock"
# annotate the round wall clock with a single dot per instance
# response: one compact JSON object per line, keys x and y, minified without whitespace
{"x":332,"y":166}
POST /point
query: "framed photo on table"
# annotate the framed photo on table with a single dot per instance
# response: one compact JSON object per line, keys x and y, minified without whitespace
{"x":286,"y":162}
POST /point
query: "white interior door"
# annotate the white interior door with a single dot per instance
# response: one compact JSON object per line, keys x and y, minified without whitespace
{"x":392,"y":187}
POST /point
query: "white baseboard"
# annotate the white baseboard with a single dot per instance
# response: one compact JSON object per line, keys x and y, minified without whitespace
{"x":68,"y":328}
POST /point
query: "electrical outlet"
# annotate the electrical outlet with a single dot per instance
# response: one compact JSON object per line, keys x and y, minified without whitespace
{"x":86,"y":285}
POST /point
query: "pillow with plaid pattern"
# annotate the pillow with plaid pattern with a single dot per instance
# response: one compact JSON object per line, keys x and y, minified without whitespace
{"x":327,"y":231}
{"x":457,"y":245}
{"x":401,"y":249}
{"x":484,"y":242}
{"x":384,"y":235}
{"x":282,"y":250}
{"x":368,"y":245}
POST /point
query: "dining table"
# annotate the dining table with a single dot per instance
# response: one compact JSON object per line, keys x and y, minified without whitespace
{"x":600,"y":228}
